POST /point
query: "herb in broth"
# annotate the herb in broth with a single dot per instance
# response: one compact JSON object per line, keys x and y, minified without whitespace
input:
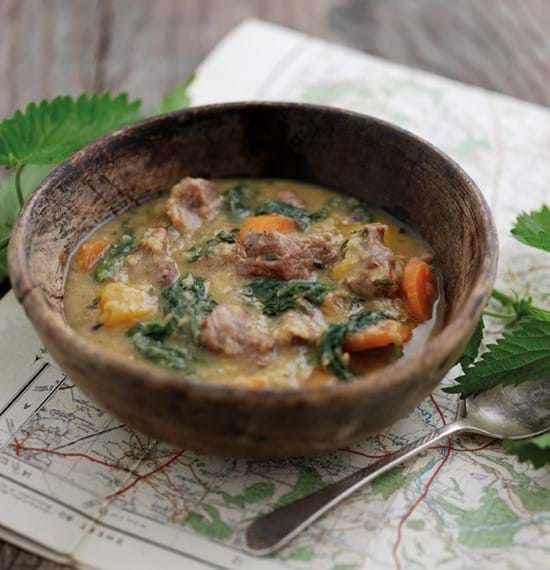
{"x":94,"y":303}
{"x":113,"y":261}
{"x":185,"y":305}
{"x":239,"y":201}
{"x":151,"y":347}
{"x":302,"y":218}
{"x":276,"y":297}
{"x":205,"y":250}
{"x":352,"y":206}
{"x":331,"y":351}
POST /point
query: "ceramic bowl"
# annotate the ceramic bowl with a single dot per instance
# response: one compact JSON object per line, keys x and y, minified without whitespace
{"x":354,"y":154}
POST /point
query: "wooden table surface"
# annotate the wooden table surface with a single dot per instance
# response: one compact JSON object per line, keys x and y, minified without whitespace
{"x":52,"y":47}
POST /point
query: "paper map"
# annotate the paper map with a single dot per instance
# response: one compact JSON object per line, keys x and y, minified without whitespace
{"x":77,"y":486}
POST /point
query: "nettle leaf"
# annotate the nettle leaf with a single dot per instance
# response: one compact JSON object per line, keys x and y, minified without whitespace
{"x":301,"y":217}
{"x":9,"y":207}
{"x":53,"y":130}
{"x":534,"y":229}
{"x":472,"y":348}
{"x":178,"y":97}
{"x":535,"y":449}
{"x":519,"y":356}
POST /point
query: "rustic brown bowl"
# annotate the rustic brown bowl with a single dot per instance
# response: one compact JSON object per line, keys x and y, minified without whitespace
{"x":354,"y":154}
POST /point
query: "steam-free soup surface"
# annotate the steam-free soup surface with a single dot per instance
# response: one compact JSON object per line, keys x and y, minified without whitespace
{"x":255,"y":283}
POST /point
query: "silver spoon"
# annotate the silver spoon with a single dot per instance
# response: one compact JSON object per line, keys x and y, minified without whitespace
{"x":510,"y":412}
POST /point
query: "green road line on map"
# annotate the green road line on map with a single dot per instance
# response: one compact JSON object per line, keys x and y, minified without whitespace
{"x":213,"y":526}
{"x":475,"y":525}
{"x":309,"y":480}
{"x":252,"y":494}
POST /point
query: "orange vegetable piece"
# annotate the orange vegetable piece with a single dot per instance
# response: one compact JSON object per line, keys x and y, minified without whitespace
{"x":121,"y":304}
{"x":420,"y":288}
{"x":319,"y":377}
{"x":267,"y":223}
{"x":254,"y":383}
{"x":91,"y":253}
{"x":379,"y":335}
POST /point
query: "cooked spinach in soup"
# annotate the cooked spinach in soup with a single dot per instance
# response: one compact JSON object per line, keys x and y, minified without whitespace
{"x":257,"y":284}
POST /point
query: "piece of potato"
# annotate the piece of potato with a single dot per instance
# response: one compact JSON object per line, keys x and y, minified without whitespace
{"x":122,"y":304}
{"x":341,"y":269}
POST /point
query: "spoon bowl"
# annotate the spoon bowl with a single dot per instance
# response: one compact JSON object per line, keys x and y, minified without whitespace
{"x":510,"y":412}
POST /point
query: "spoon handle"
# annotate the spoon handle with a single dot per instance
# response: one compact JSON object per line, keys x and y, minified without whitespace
{"x":270,"y":532}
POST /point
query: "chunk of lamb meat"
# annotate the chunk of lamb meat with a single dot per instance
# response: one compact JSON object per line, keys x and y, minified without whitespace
{"x":296,"y":327}
{"x":154,"y":245}
{"x":231,"y":330}
{"x":191,"y":201}
{"x":282,"y":256}
{"x":288,"y":197}
{"x":374,"y":271}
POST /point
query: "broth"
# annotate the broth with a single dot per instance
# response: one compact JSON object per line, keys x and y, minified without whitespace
{"x":255,"y":283}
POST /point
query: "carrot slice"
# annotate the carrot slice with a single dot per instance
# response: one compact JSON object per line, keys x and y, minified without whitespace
{"x":90,"y":254}
{"x":386,"y":333}
{"x":420,"y":289}
{"x":266,"y":223}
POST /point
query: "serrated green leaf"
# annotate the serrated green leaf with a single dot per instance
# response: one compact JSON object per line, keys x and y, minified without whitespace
{"x":472,"y":348}
{"x":53,"y":130}
{"x":9,"y":207}
{"x":178,"y":97}
{"x":519,"y":356}
{"x":535,"y":450}
{"x":534,"y":229}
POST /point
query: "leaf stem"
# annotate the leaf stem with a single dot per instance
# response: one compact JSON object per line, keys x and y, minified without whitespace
{"x":502,"y":298}
{"x":496,"y":315}
{"x":18,"y":189}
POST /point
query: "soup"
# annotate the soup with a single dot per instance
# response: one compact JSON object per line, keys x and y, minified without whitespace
{"x":256,"y":283}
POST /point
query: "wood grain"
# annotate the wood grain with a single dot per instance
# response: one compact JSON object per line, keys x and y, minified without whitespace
{"x":56,"y":47}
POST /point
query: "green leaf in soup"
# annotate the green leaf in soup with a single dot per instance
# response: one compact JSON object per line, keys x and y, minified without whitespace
{"x":302,"y":218}
{"x":115,"y":258}
{"x":205,"y":250}
{"x":186,"y":304}
{"x":53,"y":130}
{"x":331,"y":350}
{"x":276,"y":296}
{"x":228,"y":237}
{"x":239,"y":201}
{"x":534,"y":229}
{"x":178,"y":97}
{"x":535,"y":450}
{"x":198,"y":252}
{"x":519,"y":356}
{"x":151,"y":348}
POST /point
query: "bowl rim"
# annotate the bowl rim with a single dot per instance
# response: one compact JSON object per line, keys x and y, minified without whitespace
{"x":48,"y":322}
